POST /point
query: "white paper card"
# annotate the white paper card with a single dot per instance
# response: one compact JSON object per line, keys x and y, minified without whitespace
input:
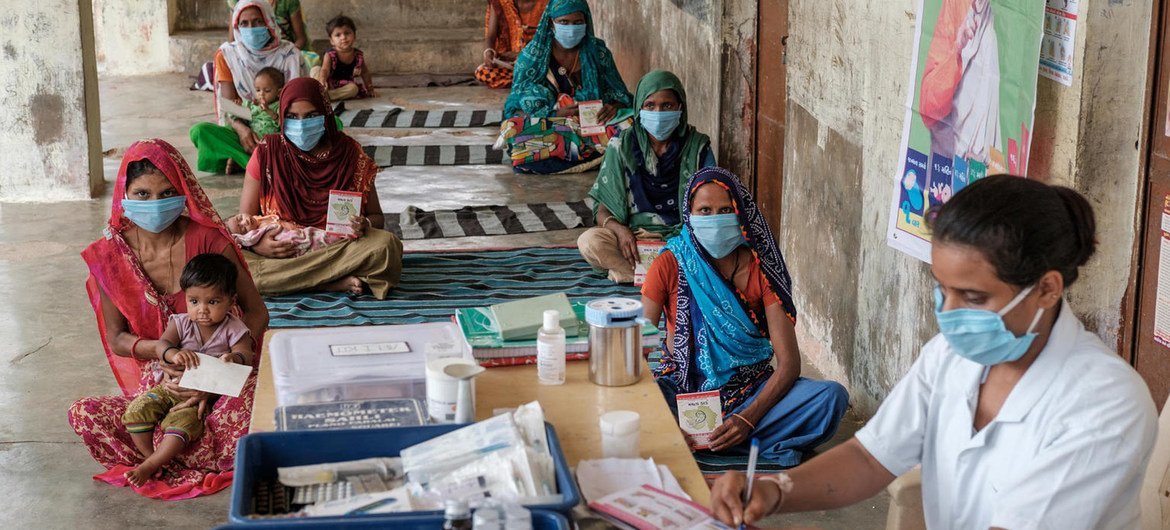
{"x":216,"y":376}
{"x":369,"y":348}
{"x":343,"y":205}
{"x":587,"y":113}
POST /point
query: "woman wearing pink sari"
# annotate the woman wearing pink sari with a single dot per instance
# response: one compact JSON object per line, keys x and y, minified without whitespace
{"x":133,"y":286}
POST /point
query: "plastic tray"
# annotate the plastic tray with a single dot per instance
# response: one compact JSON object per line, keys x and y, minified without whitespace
{"x":541,"y":520}
{"x":259,"y":454}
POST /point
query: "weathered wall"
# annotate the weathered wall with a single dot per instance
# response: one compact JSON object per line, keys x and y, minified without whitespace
{"x":48,"y":82}
{"x":684,"y":37}
{"x":133,"y":37}
{"x":865,"y":308}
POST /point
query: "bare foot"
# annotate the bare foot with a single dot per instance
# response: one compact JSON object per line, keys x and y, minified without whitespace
{"x":139,"y":475}
{"x":348,"y":284}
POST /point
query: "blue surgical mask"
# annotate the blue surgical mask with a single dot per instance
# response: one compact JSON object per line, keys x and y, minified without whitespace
{"x":980,"y":335}
{"x":255,"y":38}
{"x":660,"y":123}
{"x":719,"y":234}
{"x":305,"y":133}
{"x":154,"y":216}
{"x":569,"y":35}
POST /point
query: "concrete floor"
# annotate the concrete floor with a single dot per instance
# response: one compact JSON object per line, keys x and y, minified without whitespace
{"x":51,"y":354}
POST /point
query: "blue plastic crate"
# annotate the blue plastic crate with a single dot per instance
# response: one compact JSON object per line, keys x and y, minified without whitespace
{"x":259,"y":454}
{"x":541,"y":520}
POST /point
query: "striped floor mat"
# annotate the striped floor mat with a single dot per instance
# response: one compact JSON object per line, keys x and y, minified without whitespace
{"x":434,"y":284}
{"x":433,"y":155}
{"x":713,"y":465}
{"x":420,"y":119}
{"x":468,"y":221}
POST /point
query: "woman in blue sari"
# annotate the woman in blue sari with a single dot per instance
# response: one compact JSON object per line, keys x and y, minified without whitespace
{"x":727,"y":296}
{"x":563,"y":65}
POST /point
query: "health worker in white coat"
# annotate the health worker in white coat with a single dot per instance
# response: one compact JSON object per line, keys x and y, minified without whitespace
{"x":1019,"y":417}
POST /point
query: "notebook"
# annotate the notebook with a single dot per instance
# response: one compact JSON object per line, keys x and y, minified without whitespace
{"x":649,"y":508}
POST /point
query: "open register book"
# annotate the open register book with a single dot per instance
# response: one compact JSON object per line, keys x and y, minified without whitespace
{"x":649,"y":508}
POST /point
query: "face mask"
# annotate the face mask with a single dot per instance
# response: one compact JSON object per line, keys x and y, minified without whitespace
{"x":719,"y":234}
{"x":569,"y":35}
{"x":980,"y":335}
{"x":660,"y":123}
{"x":156,"y":215}
{"x":255,"y":38}
{"x":305,"y":133}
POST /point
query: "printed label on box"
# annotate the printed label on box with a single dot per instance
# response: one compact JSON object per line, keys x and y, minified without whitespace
{"x":699,"y":413}
{"x":343,"y":206}
{"x":371,"y":348}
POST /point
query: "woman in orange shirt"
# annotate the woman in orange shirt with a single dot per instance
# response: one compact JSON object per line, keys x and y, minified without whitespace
{"x":727,"y":296}
{"x":508,"y":26}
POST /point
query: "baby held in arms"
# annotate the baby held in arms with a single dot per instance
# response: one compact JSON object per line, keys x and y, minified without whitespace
{"x":248,"y":230}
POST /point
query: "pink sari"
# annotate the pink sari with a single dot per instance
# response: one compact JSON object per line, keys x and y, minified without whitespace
{"x":204,"y":467}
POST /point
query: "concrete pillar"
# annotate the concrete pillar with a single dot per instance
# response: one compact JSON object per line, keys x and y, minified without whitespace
{"x":50,"y":127}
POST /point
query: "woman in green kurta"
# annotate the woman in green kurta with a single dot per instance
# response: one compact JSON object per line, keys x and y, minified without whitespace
{"x":640,"y":185}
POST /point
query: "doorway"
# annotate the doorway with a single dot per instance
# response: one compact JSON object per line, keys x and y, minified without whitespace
{"x":1149,"y":338}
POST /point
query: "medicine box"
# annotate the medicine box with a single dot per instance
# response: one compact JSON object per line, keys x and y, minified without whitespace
{"x":541,"y":520}
{"x":323,"y":365}
{"x":522,"y":319}
{"x":259,"y":454}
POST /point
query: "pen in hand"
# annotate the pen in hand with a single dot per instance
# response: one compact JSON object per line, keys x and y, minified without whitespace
{"x":751,"y":475}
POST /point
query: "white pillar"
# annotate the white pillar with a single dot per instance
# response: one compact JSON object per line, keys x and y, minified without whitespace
{"x":50,"y":126}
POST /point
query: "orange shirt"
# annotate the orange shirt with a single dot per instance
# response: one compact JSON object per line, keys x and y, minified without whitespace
{"x":222,"y":72}
{"x":662,"y":287}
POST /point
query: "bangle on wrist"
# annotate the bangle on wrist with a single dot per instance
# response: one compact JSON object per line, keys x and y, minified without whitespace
{"x":243,"y":359}
{"x":750,"y":425}
{"x":163,"y":357}
{"x":605,"y":223}
{"x":134,"y":349}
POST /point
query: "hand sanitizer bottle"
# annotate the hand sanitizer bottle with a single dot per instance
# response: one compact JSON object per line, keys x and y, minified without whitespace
{"x":550,"y":350}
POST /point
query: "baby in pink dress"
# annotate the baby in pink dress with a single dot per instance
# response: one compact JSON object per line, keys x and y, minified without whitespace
{"x":248,"y":230}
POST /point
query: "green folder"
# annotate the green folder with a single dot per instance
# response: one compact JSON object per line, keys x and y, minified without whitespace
{"x":522,"y":319}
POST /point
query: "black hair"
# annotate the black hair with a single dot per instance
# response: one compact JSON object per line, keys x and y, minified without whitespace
{"x":274,"y":74}
{"x":340,"y":21}
{"x":138,"y":168}
{"x":210,"y":270}
{"x":1024,"y":228}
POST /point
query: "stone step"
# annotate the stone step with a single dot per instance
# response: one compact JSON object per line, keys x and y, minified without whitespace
{"x":420,"y":51}
{"x":190,"y":49}
{"x":424,"y":50}
{"x":379,"y":17}
{"x":198,"y":15}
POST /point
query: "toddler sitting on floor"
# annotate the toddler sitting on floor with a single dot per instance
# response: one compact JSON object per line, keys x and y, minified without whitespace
{"x":208,"y":327}
{"x":248,"y":230}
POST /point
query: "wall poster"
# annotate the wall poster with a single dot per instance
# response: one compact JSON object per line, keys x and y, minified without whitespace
{"x":1060,"y":32}
{"x":970,"y":107}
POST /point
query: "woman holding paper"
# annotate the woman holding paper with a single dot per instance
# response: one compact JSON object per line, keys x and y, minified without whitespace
{"x":1018,"y":415}
{"x":160,"y":219}
{"x":726,"y":293}
{"x":639,"y":189}
{"x":564,"y":78}
{"x":257,"y":45}
{"x":297,"y":176}
{"x":508,"y":26}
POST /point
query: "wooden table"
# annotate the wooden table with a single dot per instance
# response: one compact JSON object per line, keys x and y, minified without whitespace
{"x":572,"y":408}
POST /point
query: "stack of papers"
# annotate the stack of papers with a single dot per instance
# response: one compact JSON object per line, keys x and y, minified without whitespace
{"x":601,"y":478}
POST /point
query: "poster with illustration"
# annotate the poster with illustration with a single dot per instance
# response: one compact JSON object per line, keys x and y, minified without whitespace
{"x":970,"y":107}
{"x":1060,"y":32}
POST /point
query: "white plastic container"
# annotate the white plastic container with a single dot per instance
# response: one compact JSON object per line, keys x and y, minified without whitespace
{"x":619,"y":434}
{"x":550,"y":350}
{"x":322,"y":365}
{"x":443,"y":390}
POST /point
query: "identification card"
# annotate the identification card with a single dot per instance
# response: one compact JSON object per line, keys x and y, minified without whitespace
{"x":699,"y":414}
{"x":343,"y":206}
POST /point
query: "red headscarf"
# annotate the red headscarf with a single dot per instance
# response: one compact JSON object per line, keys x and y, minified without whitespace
{"x":294,"y":184}
{"x":115,"y":270}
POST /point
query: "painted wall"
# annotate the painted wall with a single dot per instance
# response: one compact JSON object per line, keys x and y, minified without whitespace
{"x":865,"y":309}
{"x":48,"y":82}
{"x":133,"y":37}
{"x":684,"y":37}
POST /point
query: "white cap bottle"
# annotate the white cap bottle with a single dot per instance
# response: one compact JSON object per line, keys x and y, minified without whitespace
{"x":550,"y":350}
